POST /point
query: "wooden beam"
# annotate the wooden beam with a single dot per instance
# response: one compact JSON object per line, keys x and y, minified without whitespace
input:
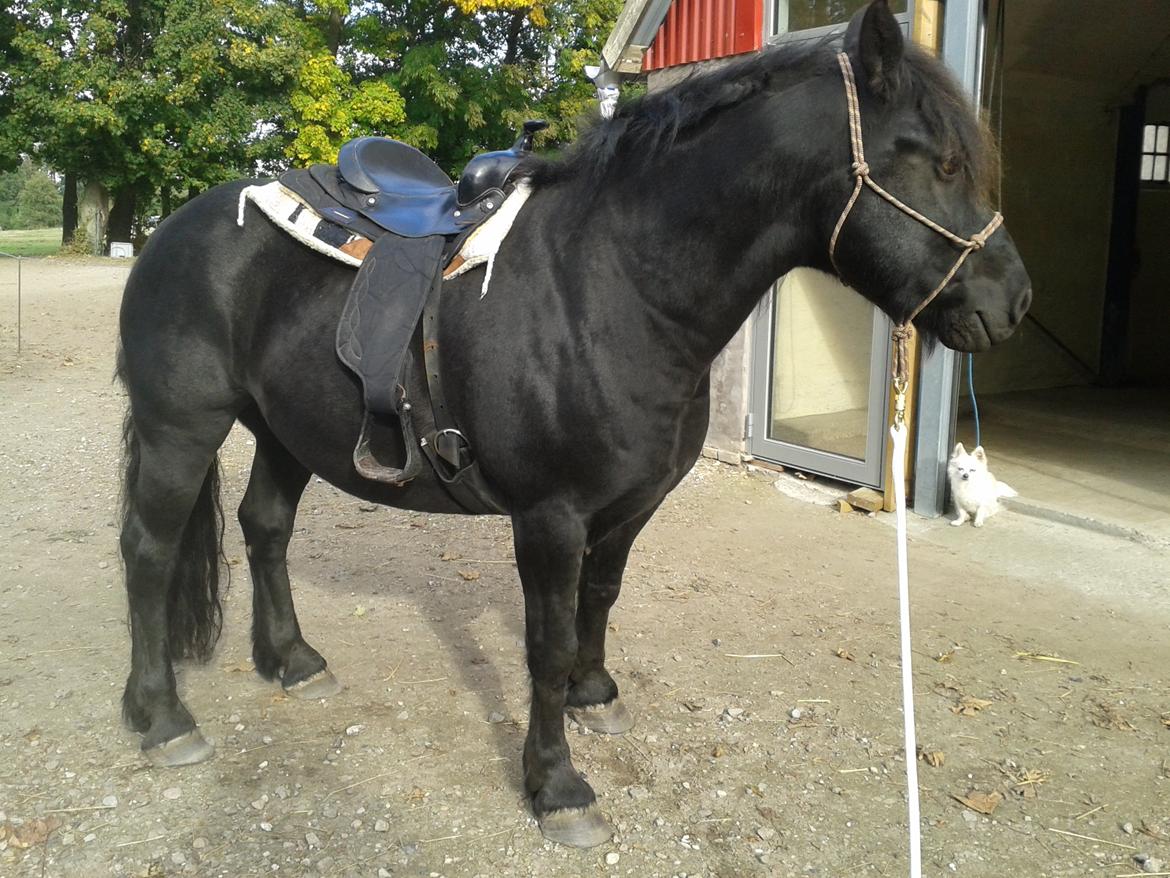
{"x":911,"y":427}
{"x":618,"y":44}
{"x":925,"y":28}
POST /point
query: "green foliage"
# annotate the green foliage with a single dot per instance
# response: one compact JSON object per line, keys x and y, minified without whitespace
{"x":80,"y":245}
{"x":10,"y":185}
{"x":154,"y":92}
{"x":468,"y":72}
{"x":10,"y":135}
{"x":331,"y":109}
{"x":39,"y":204}
{"x":29,"y":199}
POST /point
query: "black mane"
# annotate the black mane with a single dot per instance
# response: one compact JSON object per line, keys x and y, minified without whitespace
{"x":651,"y":125}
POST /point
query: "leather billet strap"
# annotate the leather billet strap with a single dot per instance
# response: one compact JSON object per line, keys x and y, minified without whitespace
{"x":445,"y":446}
{"x":860,"y":171}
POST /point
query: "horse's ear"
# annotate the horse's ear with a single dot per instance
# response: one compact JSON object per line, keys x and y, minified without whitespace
{"x":874,"y":38}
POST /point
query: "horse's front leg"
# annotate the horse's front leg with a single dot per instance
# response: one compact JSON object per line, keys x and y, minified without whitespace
{"x":593,"y":695}
{"x":550,"y":542}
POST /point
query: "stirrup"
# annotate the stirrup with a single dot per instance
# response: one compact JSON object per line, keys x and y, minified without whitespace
{"x":368,"y":466}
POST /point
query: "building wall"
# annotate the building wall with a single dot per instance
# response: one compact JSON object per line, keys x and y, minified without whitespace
{"x":1149,"y":302}
{"x":1058,"y":140}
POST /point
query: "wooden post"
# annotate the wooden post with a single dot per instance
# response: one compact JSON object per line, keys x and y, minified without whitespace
{"x":925,"y":28}
{"x":911,"y":407}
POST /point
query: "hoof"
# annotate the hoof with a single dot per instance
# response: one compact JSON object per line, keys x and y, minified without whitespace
{"x":186,"y":749}
{"x":577,"y":827}
{"x":321,"y":685}
{"x":608,"y":719}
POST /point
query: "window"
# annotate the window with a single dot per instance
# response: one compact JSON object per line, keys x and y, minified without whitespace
{"x":789,"y":16}
{"x":1156,"y":154}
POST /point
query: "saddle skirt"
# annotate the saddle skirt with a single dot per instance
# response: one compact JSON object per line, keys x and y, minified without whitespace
{"x":291,"y":213}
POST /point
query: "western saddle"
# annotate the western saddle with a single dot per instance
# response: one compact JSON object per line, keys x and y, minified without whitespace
{"x":416,"y":217}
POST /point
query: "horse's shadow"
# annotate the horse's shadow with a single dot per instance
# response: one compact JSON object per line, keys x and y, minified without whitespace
{"x":453,"y":609}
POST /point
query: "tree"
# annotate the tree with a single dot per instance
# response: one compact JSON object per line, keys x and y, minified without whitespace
{"x":11,"y":183}
{"x":11,"y":145}
{"x":39,"y":204}
{"x":149,"y":95}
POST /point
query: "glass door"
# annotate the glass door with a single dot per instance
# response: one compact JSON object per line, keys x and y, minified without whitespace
{"x":819,"y":388}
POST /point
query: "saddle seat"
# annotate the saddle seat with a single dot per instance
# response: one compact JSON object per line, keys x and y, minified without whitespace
{"x":403,"y":191}
{"x":400,"y":189}
{"x":379,"y":164}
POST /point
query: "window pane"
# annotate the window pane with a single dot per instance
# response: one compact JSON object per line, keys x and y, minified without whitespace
{"x":1147,"y":167}
{"x":1160,"y":169}
{"x":1148,"y":136}
{"x":1163,"y":132}
{"x":794,"y":15}
{"x":823,"y":340}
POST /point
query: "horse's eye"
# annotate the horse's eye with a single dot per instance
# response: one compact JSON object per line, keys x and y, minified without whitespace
{"x":951,"y":165}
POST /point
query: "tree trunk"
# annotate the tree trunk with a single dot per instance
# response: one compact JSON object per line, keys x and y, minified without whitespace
{"x":94,"y":211}
{"x":164,"y":197}
{"x":122,"y":214}
{"x":69,"y":209}
{"x":515,"y":27}
{"x":333,"y":37}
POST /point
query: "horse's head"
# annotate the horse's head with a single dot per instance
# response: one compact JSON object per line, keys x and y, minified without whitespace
{"x":924,"y":146}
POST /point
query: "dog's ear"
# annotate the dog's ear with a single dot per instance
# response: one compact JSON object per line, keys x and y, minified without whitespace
{"x":979,"y":453}
{"x":959,"y":449}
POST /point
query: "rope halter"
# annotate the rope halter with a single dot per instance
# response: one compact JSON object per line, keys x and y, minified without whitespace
{"x":859,"y":169}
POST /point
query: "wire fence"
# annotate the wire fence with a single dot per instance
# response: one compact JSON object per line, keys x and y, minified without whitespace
{"x":19,"y":291}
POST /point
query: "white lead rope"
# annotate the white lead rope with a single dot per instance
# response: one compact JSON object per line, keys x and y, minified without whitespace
{"x":898,"y":435}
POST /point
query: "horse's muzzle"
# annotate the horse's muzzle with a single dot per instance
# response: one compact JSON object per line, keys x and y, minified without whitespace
{"x":979,"y":314}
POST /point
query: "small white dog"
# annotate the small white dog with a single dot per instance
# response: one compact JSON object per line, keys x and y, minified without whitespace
{"x":975,"y":490}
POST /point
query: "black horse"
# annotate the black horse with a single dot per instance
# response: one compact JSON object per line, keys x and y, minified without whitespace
{"x":581,"y":379}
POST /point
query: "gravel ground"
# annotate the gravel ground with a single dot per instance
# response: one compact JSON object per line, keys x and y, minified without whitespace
{"x":756,"y":640}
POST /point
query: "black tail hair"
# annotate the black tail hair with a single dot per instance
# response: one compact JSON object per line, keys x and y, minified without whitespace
{"x":194,"y":609}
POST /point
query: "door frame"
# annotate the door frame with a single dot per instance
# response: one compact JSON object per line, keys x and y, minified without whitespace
{"x":868,"y":471}
{"x":938,"y":377}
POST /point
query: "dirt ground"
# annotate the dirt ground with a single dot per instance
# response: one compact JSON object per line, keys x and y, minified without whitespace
{"x":755,"y":639}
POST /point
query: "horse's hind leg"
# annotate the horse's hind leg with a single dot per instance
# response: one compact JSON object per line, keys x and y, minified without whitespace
{"x":266,"y":515}
{"x":592,"y":699}
{"x":170,"y":543}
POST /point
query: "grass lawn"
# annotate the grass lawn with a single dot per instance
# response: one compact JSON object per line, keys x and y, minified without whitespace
{"x":30,"y":242}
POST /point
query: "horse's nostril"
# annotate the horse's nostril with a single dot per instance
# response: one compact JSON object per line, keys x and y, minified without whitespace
{"x":1021,"y":305}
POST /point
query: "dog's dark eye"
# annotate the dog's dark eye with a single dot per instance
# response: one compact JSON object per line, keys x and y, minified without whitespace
{"x":950,"y":166}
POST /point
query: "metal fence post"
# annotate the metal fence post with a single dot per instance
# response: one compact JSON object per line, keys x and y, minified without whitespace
{"x":19,"y":261}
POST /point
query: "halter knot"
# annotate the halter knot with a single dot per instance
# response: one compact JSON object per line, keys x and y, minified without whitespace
{"x":902,"y":332}
{"x":860,"y":169}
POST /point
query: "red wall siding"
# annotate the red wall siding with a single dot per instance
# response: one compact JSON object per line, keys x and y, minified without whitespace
{"x":699,"y":30}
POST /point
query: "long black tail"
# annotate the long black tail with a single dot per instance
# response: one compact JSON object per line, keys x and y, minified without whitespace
{"x":194,"y":611}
